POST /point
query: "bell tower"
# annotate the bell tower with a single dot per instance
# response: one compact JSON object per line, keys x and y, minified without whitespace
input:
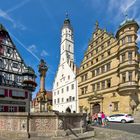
{"x":67,"y":43}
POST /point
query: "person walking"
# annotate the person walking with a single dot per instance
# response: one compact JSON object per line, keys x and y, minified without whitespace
{"x":95,"y":118}
{"x":99,"y":118}
{"x":88,"y":118}
{"x":103,"y":119}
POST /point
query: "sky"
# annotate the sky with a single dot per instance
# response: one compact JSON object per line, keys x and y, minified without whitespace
{"x":35,"y":27}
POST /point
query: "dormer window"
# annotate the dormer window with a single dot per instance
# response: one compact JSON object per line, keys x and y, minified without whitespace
{"x":96,"y":59}
{"x":15,"y":65}
{"x":108,"y":53}
{"x":108,"y":43}
{"x":102,"y":38}
{"x":8,"y":50}
{"x":96,"y":42}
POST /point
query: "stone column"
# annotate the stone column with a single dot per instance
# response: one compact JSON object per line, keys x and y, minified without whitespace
{"x":42,"y":69}
{"x":120,"y":58}
{"x":105,"y":68}
{"x":120,"y":78}
{"x":127,"y":76}
{"x":133,"y":76}
{"x":127,"y":56}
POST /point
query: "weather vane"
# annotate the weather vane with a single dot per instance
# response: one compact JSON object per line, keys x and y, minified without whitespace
{"x":96,"y":25}
{"x":125,"y":15}
{"x":66,"y":15}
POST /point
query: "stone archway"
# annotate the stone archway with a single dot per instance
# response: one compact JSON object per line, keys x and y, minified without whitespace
{"x":96,"y":108}
{"x":68,"y":110}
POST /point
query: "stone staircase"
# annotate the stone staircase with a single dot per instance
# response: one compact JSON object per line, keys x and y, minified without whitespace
{"x":137,"y":115}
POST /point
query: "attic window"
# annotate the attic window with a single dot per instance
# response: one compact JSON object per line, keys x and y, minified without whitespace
{"x":108,"y":43}
{"x":96,"y":42}
{"x":15,"y":65}
{"x":1,"y":50}
{"x":108,"y":52}
{"x":96,"y":59}
{"x":8,"y":50}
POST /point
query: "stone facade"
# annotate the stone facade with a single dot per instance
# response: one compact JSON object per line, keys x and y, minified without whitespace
{"x":108,"y":78}
{"x":40,"y":124}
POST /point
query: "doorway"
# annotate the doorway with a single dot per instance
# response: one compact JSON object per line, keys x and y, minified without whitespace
{"x":96,"y":108}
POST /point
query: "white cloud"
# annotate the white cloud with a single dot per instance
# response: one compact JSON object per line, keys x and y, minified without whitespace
{"x":15,"y":24}
{"x":44,"y":53}
{"x":27,"y":49}
{"x":48,"y":13}
{"x":121,"y":5}
{"x":6,"y":16}
{"x":123,"y":8}
{"x":19,"y":26}
{"x":19,"y":5}
{"x":32,"y":48}
{"x":127,"y":5}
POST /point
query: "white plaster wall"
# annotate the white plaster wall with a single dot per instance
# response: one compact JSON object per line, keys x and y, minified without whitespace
{"x":66,"y":71}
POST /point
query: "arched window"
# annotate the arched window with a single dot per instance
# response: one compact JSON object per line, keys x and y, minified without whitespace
{"x":69,"y":48}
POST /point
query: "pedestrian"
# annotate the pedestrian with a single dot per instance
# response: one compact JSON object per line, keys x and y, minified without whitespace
{"x":99,"y":118}
{"x":88,"y":118}
{"x":103,"y":119}
{"x":94,"y":118}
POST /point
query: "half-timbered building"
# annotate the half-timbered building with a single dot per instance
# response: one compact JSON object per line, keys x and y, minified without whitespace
{"x":17,"y":81}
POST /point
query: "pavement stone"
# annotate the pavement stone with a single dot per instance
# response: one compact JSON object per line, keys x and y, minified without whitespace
{"x":100,"y":134}
{"x":109,"y":134}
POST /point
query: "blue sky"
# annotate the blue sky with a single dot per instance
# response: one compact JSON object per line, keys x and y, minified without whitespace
{"x":35,"y":26}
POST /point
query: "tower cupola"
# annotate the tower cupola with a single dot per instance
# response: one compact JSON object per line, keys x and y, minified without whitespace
{"x":67,"y":23}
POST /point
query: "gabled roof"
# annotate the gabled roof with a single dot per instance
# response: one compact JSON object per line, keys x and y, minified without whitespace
{"x":2,"y":28}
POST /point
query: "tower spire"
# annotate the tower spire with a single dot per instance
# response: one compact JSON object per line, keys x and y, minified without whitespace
{"x":125,"y":14}
{"x":66,"y":15}
{"x":96,"y":25}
